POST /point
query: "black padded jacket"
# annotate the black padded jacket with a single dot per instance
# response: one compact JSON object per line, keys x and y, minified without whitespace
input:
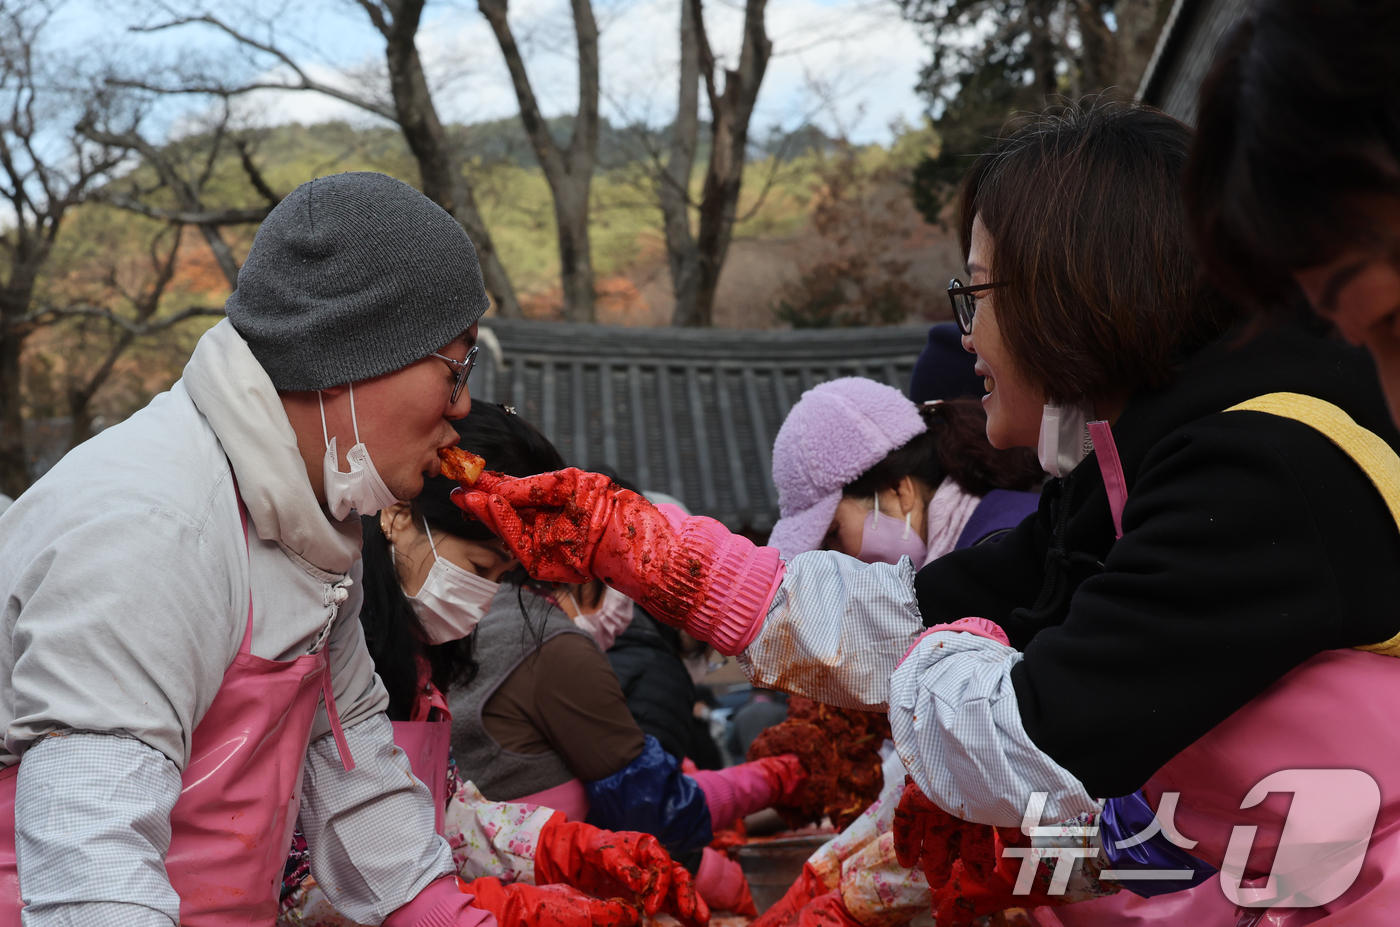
{"x":1251,"y":543}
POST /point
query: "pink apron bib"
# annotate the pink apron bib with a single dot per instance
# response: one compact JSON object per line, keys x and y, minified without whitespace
{"x":232,"y":825}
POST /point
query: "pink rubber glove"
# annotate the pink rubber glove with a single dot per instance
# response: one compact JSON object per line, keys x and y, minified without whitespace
{"x":979,"y":627}
{"x":442,"y":904}
{"x":691,"y":573}
{"x":721,"y":883}
{"x":741,"y":790}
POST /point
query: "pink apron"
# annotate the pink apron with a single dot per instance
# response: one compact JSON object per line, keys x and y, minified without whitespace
{"x":232,"y":825}
{"x":427,"y":741}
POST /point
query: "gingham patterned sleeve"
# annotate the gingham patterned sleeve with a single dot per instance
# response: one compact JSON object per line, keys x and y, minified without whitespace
{"x":958,"y":730}
{"x":836,"y":630}
{"x":371,"y":830}
{"x":92,"y":827}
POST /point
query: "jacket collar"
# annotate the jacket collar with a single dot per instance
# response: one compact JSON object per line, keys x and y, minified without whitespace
{"x":235,"y":395}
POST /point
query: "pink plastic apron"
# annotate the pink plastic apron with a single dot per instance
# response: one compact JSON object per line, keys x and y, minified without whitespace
{"x":232,"y":825}
{"x":427,"y":741}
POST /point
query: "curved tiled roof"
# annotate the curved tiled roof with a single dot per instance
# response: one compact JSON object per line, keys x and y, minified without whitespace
{"x":689,"y":412}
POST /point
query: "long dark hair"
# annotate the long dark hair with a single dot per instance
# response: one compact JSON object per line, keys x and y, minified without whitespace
{"x":393,"y":634}
{"x":956,"y":446}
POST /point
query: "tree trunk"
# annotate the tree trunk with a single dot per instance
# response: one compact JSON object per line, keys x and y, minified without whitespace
{"x":1098,"y":61}
{"x":729,"y":138}
{"x":14,"y":458}
{"x":569,"y":172}
{"x":673,"y":182}
{"x":439,"y":168}
{"x":223,"y":255}
{"x":80,"y":396}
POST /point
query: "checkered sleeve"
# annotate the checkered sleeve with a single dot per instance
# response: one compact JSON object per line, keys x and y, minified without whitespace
{"x":836,"y":629}
{"x":92,"y":826}
{"x":371,"y":830}
{"x":958,"y":729}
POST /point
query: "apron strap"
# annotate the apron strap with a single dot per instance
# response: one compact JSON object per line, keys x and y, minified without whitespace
{"x":342,"y":746}
{"x":1376,"y":459}
{"x":247,"y":645}
{"x":1106,"y":449}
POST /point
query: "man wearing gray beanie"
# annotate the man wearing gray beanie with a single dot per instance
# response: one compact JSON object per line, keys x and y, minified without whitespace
{"x":185,"y":659}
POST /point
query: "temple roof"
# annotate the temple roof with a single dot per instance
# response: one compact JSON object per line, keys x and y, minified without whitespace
{"x":688,"y":412}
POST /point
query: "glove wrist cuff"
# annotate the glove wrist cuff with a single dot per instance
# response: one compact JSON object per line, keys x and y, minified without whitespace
{"x":732,"y":579}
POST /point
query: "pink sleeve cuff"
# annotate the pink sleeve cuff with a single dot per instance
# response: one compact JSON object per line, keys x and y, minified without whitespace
{"x":744,"y":578}
{"x":441,"y":904}
{"x":720,"y":881}
{"x":734,"y":792}
{"x":981,"y":627}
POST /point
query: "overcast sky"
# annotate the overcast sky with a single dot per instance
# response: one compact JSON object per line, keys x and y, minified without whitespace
{"x":849,"y":65}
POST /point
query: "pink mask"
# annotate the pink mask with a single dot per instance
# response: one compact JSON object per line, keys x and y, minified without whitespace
{"x":614,"y":615}
{"x":886,"y":539}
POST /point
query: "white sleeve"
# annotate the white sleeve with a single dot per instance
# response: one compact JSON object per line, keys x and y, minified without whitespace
{"x":836,"y":630}
{"x":92,"y":827}
{"x":371,"y":830}
{"x":958,"y":729}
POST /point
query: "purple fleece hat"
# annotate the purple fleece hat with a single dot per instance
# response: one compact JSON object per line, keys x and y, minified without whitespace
{"x":835,"y":433}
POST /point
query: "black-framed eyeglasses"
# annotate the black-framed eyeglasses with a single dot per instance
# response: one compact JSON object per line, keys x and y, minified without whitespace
{"x":965,"y":303}
{"x":463,"y":368}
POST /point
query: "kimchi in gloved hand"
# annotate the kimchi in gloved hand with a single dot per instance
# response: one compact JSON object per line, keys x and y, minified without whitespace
{"x":689,"y":572}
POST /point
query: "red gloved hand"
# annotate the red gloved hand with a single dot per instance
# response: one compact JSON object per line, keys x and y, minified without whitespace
{"x":785,"y":773}
{"x":520,"y":905}
{"x":808,"y":887}
{"x":617,"y":864}
{"x":928,"y":836}
{"x":964,"y":898}
{"x":827,"y":911}
{"x":691,"y":573}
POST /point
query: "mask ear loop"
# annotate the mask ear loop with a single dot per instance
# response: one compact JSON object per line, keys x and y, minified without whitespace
{"x":354,"y":422}
{"x":430,"y":537}
{"x":325,"y":435}
{"x":876,"y":522}
{"x":908,"y":525}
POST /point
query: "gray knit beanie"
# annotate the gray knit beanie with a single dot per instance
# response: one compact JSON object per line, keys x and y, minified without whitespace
{"x":352,"y":276}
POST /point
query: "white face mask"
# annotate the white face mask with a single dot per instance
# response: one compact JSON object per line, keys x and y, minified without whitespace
{"x":453,"y":600}
{"x":614,"y":615}
{"x":361,"y":489}
{"x":1064,"y":437}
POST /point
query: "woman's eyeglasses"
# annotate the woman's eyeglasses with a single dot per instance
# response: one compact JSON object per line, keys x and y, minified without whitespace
{"x":463,"y":368}
{"x":965,"y":303}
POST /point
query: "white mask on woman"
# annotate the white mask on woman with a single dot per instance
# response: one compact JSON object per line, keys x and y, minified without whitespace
{"x":614,"y":615}
{"x":361,"y":489}
{"x":453,"y":600}
{"x":1064,"y":437}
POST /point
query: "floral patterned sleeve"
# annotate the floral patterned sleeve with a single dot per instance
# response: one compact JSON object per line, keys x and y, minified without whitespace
{"x":488,"y":838}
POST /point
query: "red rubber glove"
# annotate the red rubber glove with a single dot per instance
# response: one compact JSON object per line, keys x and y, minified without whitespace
{"x":620,"y":864}
{"x":691,"y":573}
{"x":827,"y":911}
{"x":521,"y":905}
{"x":964,"y":898}
{"x":927,"y":836}
{"x":808,"y":887}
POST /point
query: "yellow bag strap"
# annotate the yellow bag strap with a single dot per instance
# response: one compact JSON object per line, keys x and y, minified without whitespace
{"x":1376,"y":458}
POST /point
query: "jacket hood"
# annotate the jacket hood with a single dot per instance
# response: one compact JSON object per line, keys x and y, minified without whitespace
{"x":234,"y":393}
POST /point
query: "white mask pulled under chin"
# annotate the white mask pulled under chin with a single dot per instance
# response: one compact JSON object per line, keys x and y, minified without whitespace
{"x":1064,"y":437}
{"x":453,"y":600}
{"x":614,"y":615}
{"x":361,"y":489}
